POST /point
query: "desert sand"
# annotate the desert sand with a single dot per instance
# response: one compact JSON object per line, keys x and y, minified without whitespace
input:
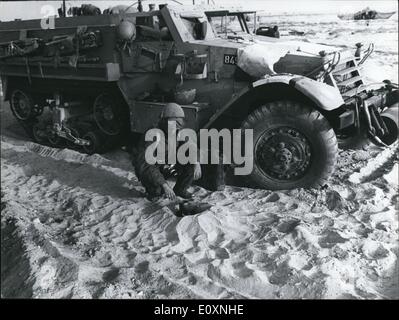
{"x":78,"y":226}
{"x":75,"y":225}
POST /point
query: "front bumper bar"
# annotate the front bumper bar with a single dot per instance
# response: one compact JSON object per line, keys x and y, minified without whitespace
{"x":375,"y":110}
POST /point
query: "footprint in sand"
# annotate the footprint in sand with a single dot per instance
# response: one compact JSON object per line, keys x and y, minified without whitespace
{"x":273,"y":197}
{"x":104,"y":259}
{"x":288,"y":226}
{"x":221,"y":253}
{"x":190,"y":279}
{"x":325,"y":222}
{"x":384,"y":226}
{"x":282,"y":275}
{"x":339,"y":253}
{"x":351,"y":194}
{"x":259,"y":233}
{"x":130,"y":258}
{"x":330,"y":239}
{"x":241,"y":270}
{"x":130,"y":234}
{"x":99,"y":202}
{"x":374,"y":250}
{"x":233,"y":246}
{"x":293,"y":206}
{"x":235,"y":189}
{"x":269,"y":220}
{"x":141,"y":267}
{"x":363,"y":231}
{"x":369,"y":193}
{"x":334,"y":201}
{"x":110,"y":275}
{"x":395,"y":201}
{"x":218,"y":196}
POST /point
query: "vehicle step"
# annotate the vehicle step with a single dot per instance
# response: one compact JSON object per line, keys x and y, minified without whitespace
{"x":345,"y":60}
{"x":349,"y":81}
{"x":352,"y":92}
{"x":345,"y":71}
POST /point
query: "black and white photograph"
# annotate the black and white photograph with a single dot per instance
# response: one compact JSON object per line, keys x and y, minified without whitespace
{"x":199,"y":150}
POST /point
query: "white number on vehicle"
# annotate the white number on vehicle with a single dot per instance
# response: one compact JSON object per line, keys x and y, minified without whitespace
{"x":230,"y":59}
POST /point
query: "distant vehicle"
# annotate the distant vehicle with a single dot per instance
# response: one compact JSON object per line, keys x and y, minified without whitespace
{"x":93,"y":80}
{"x":367,"y":14}
{"x":268,"y":31}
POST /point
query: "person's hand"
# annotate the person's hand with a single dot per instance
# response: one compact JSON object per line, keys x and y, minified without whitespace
{"x":169,"y":193}
{"x":197,"y":171}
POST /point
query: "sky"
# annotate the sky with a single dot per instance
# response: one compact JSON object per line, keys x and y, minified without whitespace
{"x":11,"y":10}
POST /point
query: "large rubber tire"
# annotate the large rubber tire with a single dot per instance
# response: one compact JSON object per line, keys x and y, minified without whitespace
{"x":307,"y":129}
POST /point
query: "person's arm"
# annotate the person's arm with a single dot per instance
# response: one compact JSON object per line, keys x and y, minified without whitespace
{"x":197,"y":171}
{"x":157,"y":178}
{"x":197,"y":165}
{"x":152,"y":172}
{"x":169,"y":191}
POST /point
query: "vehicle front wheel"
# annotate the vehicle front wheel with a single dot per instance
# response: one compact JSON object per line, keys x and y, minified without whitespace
{"x":294,"y":146}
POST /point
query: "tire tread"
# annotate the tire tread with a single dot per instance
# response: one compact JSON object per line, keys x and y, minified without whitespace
{"x":317,"y":120}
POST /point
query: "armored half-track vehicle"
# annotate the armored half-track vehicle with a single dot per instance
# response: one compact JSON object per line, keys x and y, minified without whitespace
{"x":366,"y":14}
{"x":91,"y":81}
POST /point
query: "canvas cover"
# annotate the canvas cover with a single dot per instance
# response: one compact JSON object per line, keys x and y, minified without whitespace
{"x":258,"y":59}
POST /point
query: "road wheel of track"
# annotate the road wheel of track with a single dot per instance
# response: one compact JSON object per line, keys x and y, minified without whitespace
{"x":39,"y":133}
{"x":294,"y":146}
{"x":22,"y":105}
{"x":109,"y":114}
{"x":70,"y":144}
{"x":96,"y":142}
{"x":54,"y":139}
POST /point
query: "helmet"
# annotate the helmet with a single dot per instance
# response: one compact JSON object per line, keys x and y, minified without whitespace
{"x":172,"y":110}
{"x":127,"y":31}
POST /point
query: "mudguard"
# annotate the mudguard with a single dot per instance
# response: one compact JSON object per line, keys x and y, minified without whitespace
{"x":326,"y":97}
{"x":323,"y":95}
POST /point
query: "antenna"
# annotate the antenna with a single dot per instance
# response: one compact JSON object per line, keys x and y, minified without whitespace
{"x":140,"y":1}
{"x":63,"y":8}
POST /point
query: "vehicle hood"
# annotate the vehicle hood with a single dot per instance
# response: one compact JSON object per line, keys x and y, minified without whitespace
{"x":258,"y":55}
